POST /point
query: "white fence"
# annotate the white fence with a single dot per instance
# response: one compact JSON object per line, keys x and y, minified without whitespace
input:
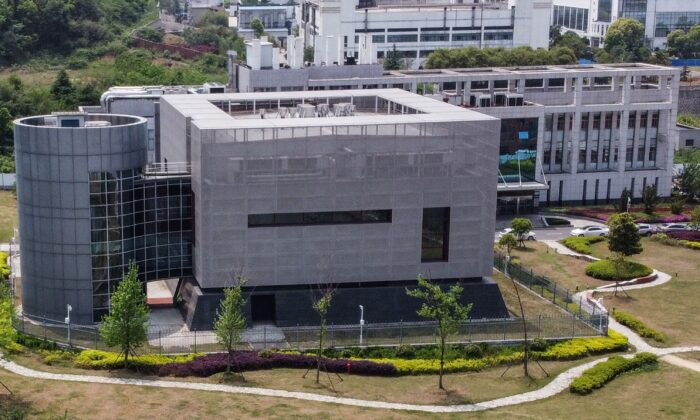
{"x":7,"y":180}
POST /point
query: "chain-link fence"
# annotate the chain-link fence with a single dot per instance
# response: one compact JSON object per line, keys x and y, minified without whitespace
{"x":174,"y":340}
{"x":548,"y":289}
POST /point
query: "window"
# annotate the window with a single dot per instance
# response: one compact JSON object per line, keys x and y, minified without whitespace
{"x":689,"y":142}
{"x":436,"y":232}
{"x":401,"y":38}
{"x":319,"y":218}
{"x":435,"y":37}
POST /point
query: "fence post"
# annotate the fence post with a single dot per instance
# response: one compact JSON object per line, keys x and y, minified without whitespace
{"x":573,"y":326}
{"x":43,"y":324}
{"x":554,"y":294}
{"x":332,"y":336}
{"x":532,"y":277}
{"x":195,"y":340}
{"x":400,"y":332}
{"x":298,"y":343}
{"x":469,"y":330}
{"x":504,"y":328}
{"x":580,"y":305}
{"x":160,"y":343}
{"x":96,"y":334}
{"x":539,"y":326}
{"x":264,"y":336}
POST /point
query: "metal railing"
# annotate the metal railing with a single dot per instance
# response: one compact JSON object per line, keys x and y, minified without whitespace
{"x":553,"y":292}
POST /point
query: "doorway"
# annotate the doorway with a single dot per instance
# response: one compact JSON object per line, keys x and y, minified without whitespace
{"x":262,"y":308}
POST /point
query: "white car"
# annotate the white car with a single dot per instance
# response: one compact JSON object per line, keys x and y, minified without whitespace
{"x":645,"y":229}
{"x":530,"y":236}
{"x":590,"y":231}
{"x":672,"y":227}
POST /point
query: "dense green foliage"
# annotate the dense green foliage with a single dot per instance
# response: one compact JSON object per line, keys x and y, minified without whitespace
{"x":632,"y":322}
{"x":666,"y":240}
{"x":605,"y":270}
{"x":650,"y":198}
{"x":582,"y":245}
{"x":97,"y":359}
{"x":61,"y":26}
{"x":688,"y":181}
{"x":624,"y":234}
{"x":392,"y":59}
{"x":685,"y":44}
{"x":689,"y":119}
{"x":521,"y":227}
{"x":8,"y":335}
{"x":230,"y":320}
{"x":577,"y":44}
{"x":624,"y":43}
{"x":126,"y":325}
{"x":498,"y":57}
{"x":602,"y":373}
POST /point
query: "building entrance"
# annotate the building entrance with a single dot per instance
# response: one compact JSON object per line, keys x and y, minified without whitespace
{"x":262,"y":308}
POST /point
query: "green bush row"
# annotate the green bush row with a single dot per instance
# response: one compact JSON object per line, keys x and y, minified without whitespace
{"x":97,"y":359}
{"x":604,"y":372}
{"x":605,"y":270}
{"x":667,"y":240}
{"x":405,"y":351}
{"x":566,"y":350}
{"x":4,"y":267}
{"x":638,"y":326}
{"x":582,"y":245}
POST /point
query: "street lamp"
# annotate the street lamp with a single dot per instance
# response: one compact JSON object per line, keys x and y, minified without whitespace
{"x":67,"y":320}
{"x":362,"y":321}
{"x":629,"y":202}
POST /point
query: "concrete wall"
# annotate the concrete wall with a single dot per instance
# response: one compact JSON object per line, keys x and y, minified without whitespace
{"x":53,"y":167}
{"x":689,"y":100}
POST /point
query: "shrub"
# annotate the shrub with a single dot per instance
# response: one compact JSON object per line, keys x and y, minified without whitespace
{"x":405,"y":351}
{"x":668,"y":240}
{"x":250,"y":360}
{"x":582,"y":347}
{"x":581,"y":245}
{"x":605,"y":270}
{"x":602,"y":373}
{"x":473,"y":351}
{"x":638,"y":326}
{"x":686,"y":235}
{"x":97,"y":359}
{"x":677,"y":205}
{"x":52,"y":357}
{"x":539,"y":344}
{"x":4,"y":267}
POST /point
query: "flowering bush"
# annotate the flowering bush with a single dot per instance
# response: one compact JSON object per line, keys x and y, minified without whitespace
{"x":686,"y":235}
{"x":673,"y":218}
{"x":251,"y":360}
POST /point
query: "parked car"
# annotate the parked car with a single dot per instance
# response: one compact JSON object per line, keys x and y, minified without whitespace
{"x":645,"y":229}
{"x":590,"y":231}
{"x":672,"y":227}
{"x":530,"y":236}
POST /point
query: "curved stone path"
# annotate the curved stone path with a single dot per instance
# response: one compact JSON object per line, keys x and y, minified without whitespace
{"x":560,"y":383}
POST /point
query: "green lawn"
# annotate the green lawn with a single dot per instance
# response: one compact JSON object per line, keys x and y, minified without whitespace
{"x":673,"y":308}
{"x":8,"y":215}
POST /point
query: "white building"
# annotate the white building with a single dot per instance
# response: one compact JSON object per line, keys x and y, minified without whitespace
{"x":591,"y":18}
{"x":275,"y":18}
{"x":418,"y":27}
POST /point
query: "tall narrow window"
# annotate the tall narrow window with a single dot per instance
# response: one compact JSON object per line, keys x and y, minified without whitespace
{"x":436,"y":234}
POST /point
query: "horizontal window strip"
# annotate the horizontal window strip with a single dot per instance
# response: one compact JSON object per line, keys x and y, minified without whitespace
{"x":319,"y":218}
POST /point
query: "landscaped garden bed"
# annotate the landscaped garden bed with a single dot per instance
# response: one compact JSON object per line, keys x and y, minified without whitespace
{"x":602,"y":373}
{"x":606,"y":270}
{"x":662,"y":214}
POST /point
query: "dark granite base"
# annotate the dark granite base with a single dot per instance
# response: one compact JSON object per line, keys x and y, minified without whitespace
{"x":383,"y":302}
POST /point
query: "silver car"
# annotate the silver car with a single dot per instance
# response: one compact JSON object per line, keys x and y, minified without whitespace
{"x":672,"y":227}
{"x":645,"y":229}
{"x":590,"y":231}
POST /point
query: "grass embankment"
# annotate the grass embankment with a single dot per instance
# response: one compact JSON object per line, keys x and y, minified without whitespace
{"x":672,"y":308}
{"x":8,"y":215}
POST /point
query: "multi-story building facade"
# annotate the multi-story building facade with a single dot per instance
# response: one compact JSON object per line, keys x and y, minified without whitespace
{"x":592,"y":18}
{"x":275,"y":18}
{"x":569,"y":134}
{"x":418,"y":27}
{"x":361,"y":189}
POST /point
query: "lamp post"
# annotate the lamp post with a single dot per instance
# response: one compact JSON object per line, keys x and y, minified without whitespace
{"x":362,"y":321}
{"x":629,"y":202}
{"x":68,"y":309}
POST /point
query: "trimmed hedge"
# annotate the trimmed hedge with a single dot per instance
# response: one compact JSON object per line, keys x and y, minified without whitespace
{"x":686,"y":235}
{"x":672,"y":241}
{"x":638,"y":326}
{"x":582,"y":245}
{"x":97,"y":359}
{"x":605,"y":270}
{"x":602,"y":373}
{"x":581,"y":347}
{"x":250,"y":360}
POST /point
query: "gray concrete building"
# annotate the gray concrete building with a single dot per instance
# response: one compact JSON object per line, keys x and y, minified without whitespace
{"x":570,"y":134}
{"x":361,"y":189}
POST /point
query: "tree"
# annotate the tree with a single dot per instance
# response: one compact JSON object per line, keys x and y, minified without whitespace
{"x":392,"y":59}
{"x":695,"y":219}
{"x":507,"y":242}
{"x":257,"y":26}
{"x":685,"y":44}
{"x":62,"y":89}
{"x":230,"y":320}
{"x":625,"y":42}
{"x":650,"y":199}
{"x":625,"y":199}
{"x":521,"y":227}
{"x":127,"y":323}
{"x":309,"y":54}
{"x":688,"y":181}
{"x":624,"y":234}
{"x":8,"y":334}
{"x":578,"y":45}
{"x":443,"y":307}
{"x":321,"y":305}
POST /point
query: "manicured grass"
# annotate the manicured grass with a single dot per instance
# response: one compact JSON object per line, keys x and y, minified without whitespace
{"x":8,"y":215}
{"x":669,"y":392}
{"x":673,"y":308}
{"x":566,"y":271}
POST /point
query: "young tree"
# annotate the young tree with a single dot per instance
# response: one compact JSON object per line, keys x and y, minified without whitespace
{"x":688,"y":181}
{"x":625,"y":198}
{"x":625,"y":42}
{"x":650,"y":199}
{"x":507,"y":242}
{"x":624,"y":234}
{"x":392,"y":59}
{"x":321,"y":305}
{"x":62,"y":89}
{"x":444,"y":308}
{"x":230,"y":320}
{"x":695,"y":219}
{"x":127,"y":324}
{"x":521,"y":227}
{"x":309,"y":54}
{"x":257,"y":26}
